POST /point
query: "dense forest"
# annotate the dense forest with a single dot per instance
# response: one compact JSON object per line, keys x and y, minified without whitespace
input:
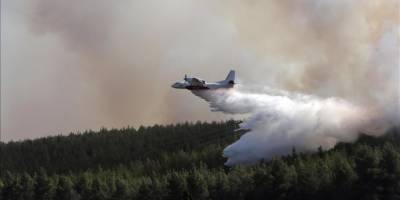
{"x":184,"y":161}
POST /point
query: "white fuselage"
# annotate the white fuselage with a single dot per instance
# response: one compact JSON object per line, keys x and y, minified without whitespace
{"x":204,"y":86}
{"x":199,"y":84}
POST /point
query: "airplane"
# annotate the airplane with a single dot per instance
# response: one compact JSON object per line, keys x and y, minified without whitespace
{"x":193,"y":83}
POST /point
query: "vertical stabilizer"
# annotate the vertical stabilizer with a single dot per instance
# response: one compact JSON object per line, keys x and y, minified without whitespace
{"x":231,"y":77}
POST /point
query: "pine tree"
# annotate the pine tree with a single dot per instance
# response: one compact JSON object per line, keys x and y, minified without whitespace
{"x":27,"y":187}
{"x":221,"y":187}
{"x":43,"y":188}
{"x":83,"y":186}
{"x":12,"y":188}
{"x":64,"y":189}
{"x":144,"y":192}
{"x":121,"y":190}
{"x":176,"y":187}
{"x":98,"y":191}
{"x":1,"y":189}
{"x":197,"y":186}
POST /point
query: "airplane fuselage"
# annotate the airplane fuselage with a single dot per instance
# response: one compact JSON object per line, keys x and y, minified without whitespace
{"x":199,"y":84}
{"x":206,"y":86}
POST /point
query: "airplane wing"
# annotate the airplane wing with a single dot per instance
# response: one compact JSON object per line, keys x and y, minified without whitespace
{"x":197,"y":82}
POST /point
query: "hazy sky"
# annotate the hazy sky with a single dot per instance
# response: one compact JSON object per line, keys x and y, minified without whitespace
{"x":76,"y":65}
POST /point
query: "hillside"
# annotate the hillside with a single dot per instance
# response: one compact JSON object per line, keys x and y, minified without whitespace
{"x":184,"y":161}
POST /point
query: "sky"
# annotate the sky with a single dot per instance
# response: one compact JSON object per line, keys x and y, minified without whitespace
{"x":70,"y":66}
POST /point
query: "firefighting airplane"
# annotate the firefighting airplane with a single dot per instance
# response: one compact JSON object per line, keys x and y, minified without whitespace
{"x":193,"y":83}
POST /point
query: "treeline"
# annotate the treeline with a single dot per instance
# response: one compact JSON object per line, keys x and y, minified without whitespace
{"x":111,"y":148}
{"x":367,"y":169}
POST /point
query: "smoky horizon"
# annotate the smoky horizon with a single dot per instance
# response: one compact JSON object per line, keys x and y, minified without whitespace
{"x":71,"y":66}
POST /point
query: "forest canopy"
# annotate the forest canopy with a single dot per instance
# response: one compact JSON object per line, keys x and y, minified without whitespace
{"x":184,"y":161}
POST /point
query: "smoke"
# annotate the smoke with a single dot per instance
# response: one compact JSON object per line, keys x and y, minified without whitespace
{"x":77,"y":65}
{"x":280,"y":121}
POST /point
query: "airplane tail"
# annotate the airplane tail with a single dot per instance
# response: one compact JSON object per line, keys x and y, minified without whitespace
{"x":231,"y":77}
